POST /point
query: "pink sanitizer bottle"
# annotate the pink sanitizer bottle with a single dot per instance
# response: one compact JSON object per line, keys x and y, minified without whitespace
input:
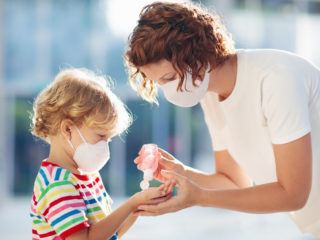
{"x":149,"y":156}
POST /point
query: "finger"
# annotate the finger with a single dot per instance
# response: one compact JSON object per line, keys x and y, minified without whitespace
{"x":164,"y":187}
{"x":171,"y":187}
{"x":144,"y":213}
{"x":168,"y":187}
{"x":154,"y":193}
{"x":137,"y":160}
{"x":159,"y":200}
{"x":166,"y":154}
{"x":161,"y":207}
{"x":172,"y":175}
{"x":139,"y":166}
{"x":166,"y":162}
{"x":157,"y":175}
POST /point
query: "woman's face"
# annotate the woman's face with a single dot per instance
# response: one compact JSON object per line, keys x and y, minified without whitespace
{"x":160,"y":72}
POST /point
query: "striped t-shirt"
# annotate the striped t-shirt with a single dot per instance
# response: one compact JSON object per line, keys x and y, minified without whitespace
{"x":64,"y":203}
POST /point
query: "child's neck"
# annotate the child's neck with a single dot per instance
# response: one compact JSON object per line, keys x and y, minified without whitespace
{"x":59,"y":155}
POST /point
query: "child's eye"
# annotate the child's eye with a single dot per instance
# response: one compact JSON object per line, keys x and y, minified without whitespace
{"x":104,"y":136}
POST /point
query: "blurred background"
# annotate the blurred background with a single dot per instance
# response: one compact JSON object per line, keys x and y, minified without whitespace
{"x":39,"y":37}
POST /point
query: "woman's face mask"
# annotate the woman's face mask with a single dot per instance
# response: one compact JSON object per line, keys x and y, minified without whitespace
{"x":191,"y":95}
{"x":90,"y":158}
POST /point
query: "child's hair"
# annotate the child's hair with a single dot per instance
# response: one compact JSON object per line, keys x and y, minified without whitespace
{"x":81,"y":96}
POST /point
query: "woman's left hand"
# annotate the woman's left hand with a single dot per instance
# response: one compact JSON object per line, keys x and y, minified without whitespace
{"x":187,"y":195}
{"x":166,"y":162}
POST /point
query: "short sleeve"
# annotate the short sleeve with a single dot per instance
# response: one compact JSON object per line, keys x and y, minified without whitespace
{"x":285,"y":105}
{"x":63,"y":208}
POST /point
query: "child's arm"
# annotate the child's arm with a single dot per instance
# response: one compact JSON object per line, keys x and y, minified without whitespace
{"x":168,"y":187}
{"x":106,"y":228}
{"x":127,"y":225}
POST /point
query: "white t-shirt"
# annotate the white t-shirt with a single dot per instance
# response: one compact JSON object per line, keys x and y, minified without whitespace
{"x":276,"y":99}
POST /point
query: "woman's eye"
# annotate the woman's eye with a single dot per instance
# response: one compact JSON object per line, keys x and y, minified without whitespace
{"x":168,"y":80}
{"x":173,"y":77}
{"x":102,"y":136}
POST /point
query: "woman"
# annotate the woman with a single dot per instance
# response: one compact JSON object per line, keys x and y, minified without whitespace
{"x":262,"y":109}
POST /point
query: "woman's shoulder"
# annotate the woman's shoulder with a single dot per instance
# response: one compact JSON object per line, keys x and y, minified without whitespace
{"x":263,"y":51}
{"x":271,"y":56}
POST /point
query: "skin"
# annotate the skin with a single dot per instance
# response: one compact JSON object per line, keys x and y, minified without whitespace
{"x":123,"y":217}
{"x":230,"y":187}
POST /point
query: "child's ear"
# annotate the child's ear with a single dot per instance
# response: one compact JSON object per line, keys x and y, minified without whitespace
{"x":65,"y":128}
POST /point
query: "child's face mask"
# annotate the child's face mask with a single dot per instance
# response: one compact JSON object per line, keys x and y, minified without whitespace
{"x":90,"y":158}
{"x":191,"y":95}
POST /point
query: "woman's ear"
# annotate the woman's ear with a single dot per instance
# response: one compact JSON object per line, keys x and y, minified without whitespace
{"x":65,"y":128}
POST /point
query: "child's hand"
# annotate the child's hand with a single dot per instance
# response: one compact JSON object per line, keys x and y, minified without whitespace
{"x":153,"y":195}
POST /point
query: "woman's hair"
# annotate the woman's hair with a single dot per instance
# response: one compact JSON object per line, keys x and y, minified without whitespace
{"x":186,"y":35}
{"x":81,"y":96}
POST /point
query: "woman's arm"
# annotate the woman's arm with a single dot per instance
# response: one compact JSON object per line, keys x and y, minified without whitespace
{"x":289,"y":193}
{"x":228,"y":174}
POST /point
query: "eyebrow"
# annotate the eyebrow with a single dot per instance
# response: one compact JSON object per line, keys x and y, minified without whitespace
{"x":107,"y":133}
{"x":167,"y":74}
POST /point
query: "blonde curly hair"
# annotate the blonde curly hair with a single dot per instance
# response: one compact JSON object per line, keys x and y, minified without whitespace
{"x":78,"y":95}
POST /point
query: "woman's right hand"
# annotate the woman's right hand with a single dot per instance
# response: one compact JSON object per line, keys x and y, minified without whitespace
{"x":166,"y":162}
{"x":188,"y":195}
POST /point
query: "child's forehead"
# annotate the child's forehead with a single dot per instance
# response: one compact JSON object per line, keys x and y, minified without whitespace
{"x":103,"y":131}
{"x":102,"y":123}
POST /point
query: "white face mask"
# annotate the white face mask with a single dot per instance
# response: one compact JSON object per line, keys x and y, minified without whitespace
{"x":191,"y":95}
{"x":90,"y":158}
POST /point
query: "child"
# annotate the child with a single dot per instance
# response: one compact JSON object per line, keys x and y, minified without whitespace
{"x":77,"y":114}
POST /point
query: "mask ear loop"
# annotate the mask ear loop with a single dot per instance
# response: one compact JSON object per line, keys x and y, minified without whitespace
{"x":80,"y":134}
{"x":70,"y":143}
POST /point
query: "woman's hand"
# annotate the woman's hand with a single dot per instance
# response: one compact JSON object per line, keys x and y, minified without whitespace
{"x":166,"y":162}
{"x":187,"y":195}
{"x":153,"y":195}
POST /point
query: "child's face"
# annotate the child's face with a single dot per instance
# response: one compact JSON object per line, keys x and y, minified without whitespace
{"x":92,"y":135}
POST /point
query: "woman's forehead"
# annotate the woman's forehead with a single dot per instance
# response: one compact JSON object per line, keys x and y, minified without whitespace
{"x":157,"y":69}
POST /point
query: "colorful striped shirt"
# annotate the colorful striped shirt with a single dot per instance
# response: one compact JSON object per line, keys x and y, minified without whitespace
{"x":64,"y":203}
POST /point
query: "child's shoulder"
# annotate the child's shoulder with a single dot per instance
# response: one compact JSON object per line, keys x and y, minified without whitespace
{"x":51,"y":178}
{"x":50,"y":173}
{"x":54,"y":172}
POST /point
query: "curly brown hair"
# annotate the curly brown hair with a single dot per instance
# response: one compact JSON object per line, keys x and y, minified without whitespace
{"x":182,"y":33}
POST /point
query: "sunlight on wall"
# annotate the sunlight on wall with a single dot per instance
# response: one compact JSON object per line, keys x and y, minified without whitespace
{"x":122,"y":15}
